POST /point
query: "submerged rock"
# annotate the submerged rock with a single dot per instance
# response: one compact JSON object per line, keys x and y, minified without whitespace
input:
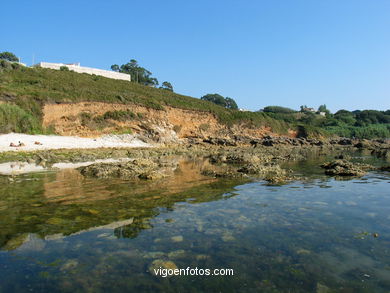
{"x":176,"y":253}
{"x":69,"y":265}
{"x":163,"y":264}
{"x":177,"y":238}
{"x":345,"y":168}
{"x":322,"y":288}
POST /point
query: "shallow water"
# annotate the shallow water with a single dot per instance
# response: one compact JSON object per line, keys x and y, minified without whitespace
{"x":62,"y":232}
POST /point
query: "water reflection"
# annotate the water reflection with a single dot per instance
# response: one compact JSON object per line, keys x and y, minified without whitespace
{"x":64,"y":202}
{"x":62,"y":232}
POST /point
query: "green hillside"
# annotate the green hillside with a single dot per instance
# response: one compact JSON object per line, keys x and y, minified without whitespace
{"x":30,"y":88}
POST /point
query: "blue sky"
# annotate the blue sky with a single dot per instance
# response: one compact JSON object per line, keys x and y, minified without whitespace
{"x":275,"y":52}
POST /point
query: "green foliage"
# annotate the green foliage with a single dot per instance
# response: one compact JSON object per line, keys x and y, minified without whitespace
{"x":204,"y":126}
{"x":278,"y":109}
{"x":120,"y":115}
{"x":217,"y":99}
{"x":8,"y":56}
{"x":15,"y":119}
{"x":138,"y":74}
{"x":64,"y":68}
{"x":230,"y":103}
{"x":167,"y":86}
{"x":31,"y":88}
{"x":367,"y":117}
{"x":368,"y":132}
{"x":97,"y":122}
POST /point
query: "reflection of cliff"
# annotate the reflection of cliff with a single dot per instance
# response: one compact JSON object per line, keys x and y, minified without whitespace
{"x":70,"y":186}
{"x":65,"y":203}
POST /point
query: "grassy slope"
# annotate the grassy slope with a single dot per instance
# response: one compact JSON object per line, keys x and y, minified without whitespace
{"x":30,"y":88}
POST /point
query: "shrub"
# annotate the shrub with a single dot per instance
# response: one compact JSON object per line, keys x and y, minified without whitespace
{"x":119,"y":115}
{"x":15,"y":119}
{"x":278,"y":109}
{"x":204,"y":126}
{"x":177,"y":128}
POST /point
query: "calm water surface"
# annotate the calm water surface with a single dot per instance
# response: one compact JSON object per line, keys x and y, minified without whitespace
{"x":62,"y":232}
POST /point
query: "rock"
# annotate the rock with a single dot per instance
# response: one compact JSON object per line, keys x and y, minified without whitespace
{"x":15,"y":242}
{"x":176,"y":253}
{"x":154,"y":254}
{"x":228,"y":237}
{"x":385,"y":168}
{"x":177,"y":238}
{"x":303,"y":251}
{"x":345,"y":168}
{"x":345,"y":141}
{"x":140,"y":168}
{"x":152,"y":175}
{"x":163,"y":264}
{"x":69,"y":265}
{"x":220,"y":141}
{"x":322,"y":288}
{"x":202,"y":256}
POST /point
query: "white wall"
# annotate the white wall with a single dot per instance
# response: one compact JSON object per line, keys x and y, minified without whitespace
{"x":89,"y":70}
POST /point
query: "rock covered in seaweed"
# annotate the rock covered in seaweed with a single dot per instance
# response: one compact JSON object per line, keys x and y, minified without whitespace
{"x":345,"y":168}
{"x":139,"y":168}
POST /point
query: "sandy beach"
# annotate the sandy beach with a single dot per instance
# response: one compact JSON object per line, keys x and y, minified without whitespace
{"x":47,"y":142}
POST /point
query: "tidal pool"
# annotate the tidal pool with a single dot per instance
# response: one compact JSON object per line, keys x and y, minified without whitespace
{"x":61,"y":232}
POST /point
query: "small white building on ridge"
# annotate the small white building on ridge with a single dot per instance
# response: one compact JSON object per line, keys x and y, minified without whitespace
{"x":80,"y":69}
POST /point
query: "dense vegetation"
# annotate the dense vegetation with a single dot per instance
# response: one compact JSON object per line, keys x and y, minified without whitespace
{"x":360,"y":124}
{"x":15,"y":119}
{"x":138,"y":73}
{"x":217,"y":99}
{"x":30,"y":88}
{"x":8,"y":56}
{"x":26,"y":90}
{"x":278,"y":109}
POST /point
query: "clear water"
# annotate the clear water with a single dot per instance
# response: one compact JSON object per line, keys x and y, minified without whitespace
{"x":62,"y":232}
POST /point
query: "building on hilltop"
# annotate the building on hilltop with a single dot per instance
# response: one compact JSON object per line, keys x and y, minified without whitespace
{"x":80,"y":69}
{"x":306,"y":109}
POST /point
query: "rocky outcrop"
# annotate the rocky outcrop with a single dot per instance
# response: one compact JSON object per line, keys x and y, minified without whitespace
{"x":345,"y":168}
{"x":139,"y":168}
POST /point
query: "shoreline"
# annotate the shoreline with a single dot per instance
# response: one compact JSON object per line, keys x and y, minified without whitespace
{"x":29,"y":142}
{"x":254,"y":159}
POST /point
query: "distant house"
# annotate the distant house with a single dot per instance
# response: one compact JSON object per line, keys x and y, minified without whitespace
{"x":308,"y":110}
{"x":80,"y":69}
{"x":322,"y":113}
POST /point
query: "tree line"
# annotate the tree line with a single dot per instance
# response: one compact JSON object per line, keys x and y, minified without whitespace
{"x":140,"y":75}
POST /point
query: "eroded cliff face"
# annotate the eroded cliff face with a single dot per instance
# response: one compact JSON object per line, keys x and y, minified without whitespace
{"x":89,"y":119}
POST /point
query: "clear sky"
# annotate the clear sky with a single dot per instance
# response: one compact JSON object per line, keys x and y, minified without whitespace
{"x":274,"y":52}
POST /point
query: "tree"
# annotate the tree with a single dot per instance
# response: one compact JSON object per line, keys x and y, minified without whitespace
{"x":278,"y":109}
{"x":167,"y":86}
{"x":322,"y":108}
{"x":227,"y":102}
{"x":9,"y":57}
{"x":215,"y":98}
{"x":115,"y":67}
{"x":230,"y":103}
{"x":138,"y":74}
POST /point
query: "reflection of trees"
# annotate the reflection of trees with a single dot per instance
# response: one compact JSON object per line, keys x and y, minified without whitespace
{"x":132,"y":230}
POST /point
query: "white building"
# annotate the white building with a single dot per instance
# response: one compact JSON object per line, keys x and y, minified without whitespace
{"x":80,"y":69}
